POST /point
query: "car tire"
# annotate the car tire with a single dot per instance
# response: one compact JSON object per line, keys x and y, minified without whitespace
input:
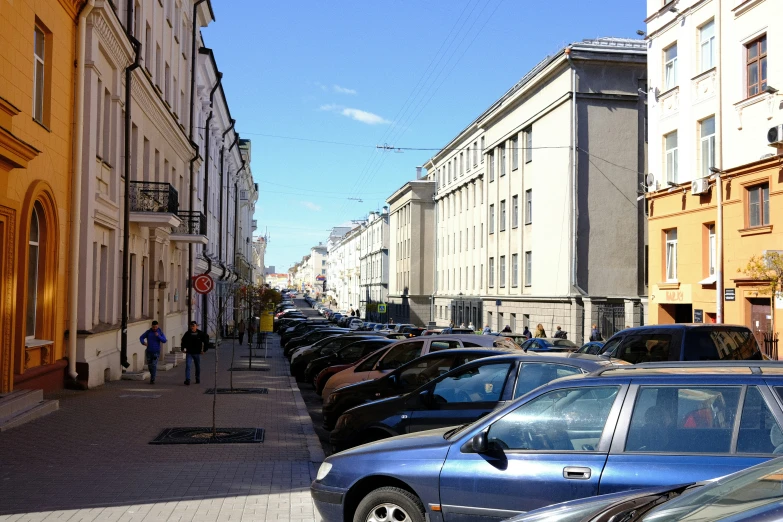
{"x":392,"y":504}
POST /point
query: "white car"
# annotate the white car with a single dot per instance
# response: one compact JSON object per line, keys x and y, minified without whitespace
{"x":355,"y":324}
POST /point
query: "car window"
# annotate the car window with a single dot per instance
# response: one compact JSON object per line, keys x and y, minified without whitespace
{"x":640,"y":348}
{"x":370,"y":361}
{"x":564,"y":343}
{"x":477,"y":384}
{"x":401,"y":354}
{"x":611,"y":346}
{"x":421,"y":373}
{"x":436,"y":346}
{"x":572,"y":419}
{"x":759,"y":432}
{"x":352,"y":352}
{"x":507,"y":344}
{"x":533,"y":375}
{"x":672,"y":419}
{"x":527,"y":344}
{"x":703,"y":344}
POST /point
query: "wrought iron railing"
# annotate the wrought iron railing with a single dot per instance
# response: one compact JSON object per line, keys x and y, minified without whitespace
{"x":193,"y":223}
{"x":150,"y":196}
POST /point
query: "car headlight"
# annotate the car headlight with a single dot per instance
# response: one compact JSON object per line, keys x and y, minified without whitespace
{"x":342,"y":421}
{"x":332,"y":399}
{"x":323,"y":471}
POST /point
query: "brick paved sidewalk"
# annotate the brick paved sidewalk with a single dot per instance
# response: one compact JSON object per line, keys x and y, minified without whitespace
{"x":91,"y":459}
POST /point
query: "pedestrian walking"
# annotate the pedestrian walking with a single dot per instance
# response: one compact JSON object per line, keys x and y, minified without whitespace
{"x":487,"y":330}
{"x":595,"y":334}
{"x":251,"y":330}
{"x":462,"y":325}
{"x":471,"y":326}
{"x":506,"y":329}
{"x":357,"y":315}
{"x":194,"y":343}
{"x":152,"y":339}
{"x":241,"y":330}
{"x":561,"y":334}
{"x":353,"y":314}
{"x":540,"y":331}
{"x":526,"y":332}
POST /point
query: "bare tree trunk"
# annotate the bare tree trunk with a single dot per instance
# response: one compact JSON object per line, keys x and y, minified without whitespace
{"x":214,"y":390}
{"x":231,"y":377}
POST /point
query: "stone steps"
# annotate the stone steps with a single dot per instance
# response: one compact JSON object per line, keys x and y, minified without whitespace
{"x":22,"y":406}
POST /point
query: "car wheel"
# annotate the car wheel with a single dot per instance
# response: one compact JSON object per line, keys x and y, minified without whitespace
{"x":390,"y":505}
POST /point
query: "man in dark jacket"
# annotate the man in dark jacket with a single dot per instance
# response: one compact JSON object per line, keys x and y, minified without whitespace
{"x":194,"y":342}
{"x":152,"y":339}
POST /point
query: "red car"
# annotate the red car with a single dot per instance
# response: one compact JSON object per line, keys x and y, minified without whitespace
{"x":326,"y":373}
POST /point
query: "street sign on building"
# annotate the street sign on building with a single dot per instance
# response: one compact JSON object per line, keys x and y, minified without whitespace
{"x":381,"y":308}
{"x":203,"y":283}
{"x":728,"y":294}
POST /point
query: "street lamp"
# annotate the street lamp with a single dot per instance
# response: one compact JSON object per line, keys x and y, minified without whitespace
{"x":716,"y":175}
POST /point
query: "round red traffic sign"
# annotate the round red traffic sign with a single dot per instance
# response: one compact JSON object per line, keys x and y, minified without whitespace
{"x":203,"y":284}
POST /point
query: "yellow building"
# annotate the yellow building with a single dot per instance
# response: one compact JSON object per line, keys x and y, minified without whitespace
{"x":37,"y":50}
{"x":683,"y":249}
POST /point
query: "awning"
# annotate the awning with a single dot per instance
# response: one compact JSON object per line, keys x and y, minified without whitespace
{"x":709,"y":280}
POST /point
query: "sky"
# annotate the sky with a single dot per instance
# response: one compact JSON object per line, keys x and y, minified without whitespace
{"x":317,"y":86}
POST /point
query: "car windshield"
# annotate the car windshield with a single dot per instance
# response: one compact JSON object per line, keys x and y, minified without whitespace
{"x":755,"y":489}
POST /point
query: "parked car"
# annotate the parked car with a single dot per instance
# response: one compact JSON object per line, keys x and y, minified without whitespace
{"x":591,"y":347}
{"x":457,"y":331}
{"x":434,"y":331}
{"x":282,"y":324}
{"x":549,"y":344}
{"x":345,"y":356}
{"x":301,"y":359}
{"x":403,"y":380}
{"x":300,"y":329}
{"x":414,"y":331}
{"x":459,"y":396}
{"x":355,"y":324}
{"x":616,"y":429}
{"x":407,"y":350}
{"x":753,"y":494}
{"x":313,"y":336}
{"x":683,"y":342}
{"x":327,"y":373}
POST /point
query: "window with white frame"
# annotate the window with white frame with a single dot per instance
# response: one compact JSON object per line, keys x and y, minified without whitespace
{"x":491,"y":275}
{"x":475,"y":153}
{"x":514,"y":270}
{"x":492,"y":219}
{"x":670,"y":67}
{"x":515,"y":153}
{"x":672,"y":160}
{"x":502,"y":215}
{"x":671,"y":255}
{"x":502,"y":271}
{"x":467,"y":160}
{"x":515,"y":211}
{"x":482,"y":149}
{"x":528,"y":268}
{"x":491,"y":166}
{"x":528,"y":206}
{"x":707,"y":138}
{"x":503,"y":160}
{"x":711,"y":246}
{"x":39,"y":54}
{"x":707,"y":45}
{"x":33,"y":263}
{"x":528,"y":144}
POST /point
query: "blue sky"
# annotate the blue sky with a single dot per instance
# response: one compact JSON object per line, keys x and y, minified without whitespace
{"x":409,"y":73}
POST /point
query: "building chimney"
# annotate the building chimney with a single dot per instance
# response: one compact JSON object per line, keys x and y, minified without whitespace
{"x":418,"y":172}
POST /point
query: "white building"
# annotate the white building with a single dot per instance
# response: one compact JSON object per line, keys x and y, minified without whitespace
{"x":344,"y":269}
{"x":710,"y":83}
{"x":537,"y":212}
{"x":333,"y":264}
{"x":374,"y":264}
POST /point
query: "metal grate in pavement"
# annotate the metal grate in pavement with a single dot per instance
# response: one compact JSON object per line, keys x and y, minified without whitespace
{"x":238,"y":391}
{"x":203,"y":435}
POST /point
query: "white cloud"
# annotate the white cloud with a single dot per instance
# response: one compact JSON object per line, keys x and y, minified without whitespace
{"x":355,"y":114}
{"x":321,"y":86}
{"x":343,"y":90}
{"x":312,"y":206}
{"x":329,"y":107}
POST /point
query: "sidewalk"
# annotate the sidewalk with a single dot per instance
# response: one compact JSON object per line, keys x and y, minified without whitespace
{"x":91,"y":459}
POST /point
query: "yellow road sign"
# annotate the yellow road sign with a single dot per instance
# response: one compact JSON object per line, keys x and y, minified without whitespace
{"x":267,"y":321}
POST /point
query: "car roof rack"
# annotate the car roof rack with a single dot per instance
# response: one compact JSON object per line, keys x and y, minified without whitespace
{"x":754,"y":366}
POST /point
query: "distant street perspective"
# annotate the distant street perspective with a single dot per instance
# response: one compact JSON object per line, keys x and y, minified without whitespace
{"x":374,"y":261}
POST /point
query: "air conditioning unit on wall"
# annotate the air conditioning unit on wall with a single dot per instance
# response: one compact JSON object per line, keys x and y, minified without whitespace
{"x":775,"y":136}
{"x":700,"y":186}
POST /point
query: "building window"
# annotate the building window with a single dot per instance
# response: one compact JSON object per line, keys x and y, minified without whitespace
{"x":467,"y":160}
{"x":475,"y":153}
{"x":670,"y":67}
{"x":528,"y":268}
{"x":148,"y":49}
{"x":492,"y":219}
{"x":515,"y":153}
{"x":503,"y":215}
{"x":711,"y":247}
{"x":528,"y":206}
{"x":461,"y":165}
{"x":158,"y":66}
{"x":491,"y":167}
{"x":671,"y":255}
{"x":33,"y":270}
{"x":756,"y":52}
{"x":758,"y":205}
{"x":502,"y":160}
{"x":514,"y":270}
{"x":491,"y":275}
{"x":707,"y":131}
{"x":502,"y":271}
{"x":514,"y":211}
{"x":671,"y":157}
{"x":513,"y":322}
{"x":482,"y":149}
{"x":707,"y":47}
{"x":529,"y":145}
{"x":39,"y":53}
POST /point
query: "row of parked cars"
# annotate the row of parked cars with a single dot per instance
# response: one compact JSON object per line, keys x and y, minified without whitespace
{"x":467,"y":427}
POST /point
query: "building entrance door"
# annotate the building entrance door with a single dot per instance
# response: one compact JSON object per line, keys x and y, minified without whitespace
{"x":760,"y":317}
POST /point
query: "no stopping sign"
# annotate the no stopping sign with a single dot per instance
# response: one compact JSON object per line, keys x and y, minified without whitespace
{"x":203,"y":284}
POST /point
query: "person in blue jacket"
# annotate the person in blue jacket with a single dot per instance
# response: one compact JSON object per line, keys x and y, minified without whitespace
{"x":152,"y":339}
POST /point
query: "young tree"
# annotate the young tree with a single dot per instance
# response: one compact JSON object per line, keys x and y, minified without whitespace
{"x":767,"y":268}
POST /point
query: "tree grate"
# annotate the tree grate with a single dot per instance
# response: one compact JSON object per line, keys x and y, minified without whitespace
{"x":203,"y":435}
{"x":238,"y":391}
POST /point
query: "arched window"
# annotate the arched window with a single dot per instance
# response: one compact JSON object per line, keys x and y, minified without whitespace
{"x":35,"y":244}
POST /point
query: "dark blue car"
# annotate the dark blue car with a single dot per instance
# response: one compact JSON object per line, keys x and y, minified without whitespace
{"x":617,"y":429}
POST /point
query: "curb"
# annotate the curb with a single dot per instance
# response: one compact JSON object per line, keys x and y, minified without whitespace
{"x":317,"y":454}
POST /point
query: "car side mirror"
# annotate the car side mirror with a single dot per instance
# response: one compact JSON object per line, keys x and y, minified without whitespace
{"x":479,"y":443}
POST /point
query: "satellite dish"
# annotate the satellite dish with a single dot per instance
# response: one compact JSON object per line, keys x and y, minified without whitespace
{"x":649,"y":179}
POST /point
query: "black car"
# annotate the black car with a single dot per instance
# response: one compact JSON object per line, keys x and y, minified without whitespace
{"x":281,"y":325}
{"x":683,"y":342}
{"x":312,"y":336}
{"x":346,"y":355}
{"x":591,"y":347}
{"x":457,"y":397}
{"x":299,"y":329}
{"x":403,"y":380}
{"x":300,"y":360}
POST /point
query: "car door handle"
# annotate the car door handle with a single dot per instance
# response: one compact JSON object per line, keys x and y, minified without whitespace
{"x":576,"y":473}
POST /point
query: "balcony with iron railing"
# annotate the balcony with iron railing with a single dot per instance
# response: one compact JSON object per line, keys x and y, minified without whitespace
{"x":154,"y":204}
{"x":193,"y":228}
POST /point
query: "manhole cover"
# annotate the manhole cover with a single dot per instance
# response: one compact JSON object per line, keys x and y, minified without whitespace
{"x":204,"y":435}
{"x":139,"y":396}
{"x":237,"y":391}
{"x":251,"y":369}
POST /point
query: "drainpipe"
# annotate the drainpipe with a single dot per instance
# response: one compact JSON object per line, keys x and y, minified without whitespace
{"x":76,"y":192}
{"x":718,"y":180}
{"x":220,"y":211}
{"x":126,"y":203}
{"x":574,"y":193}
